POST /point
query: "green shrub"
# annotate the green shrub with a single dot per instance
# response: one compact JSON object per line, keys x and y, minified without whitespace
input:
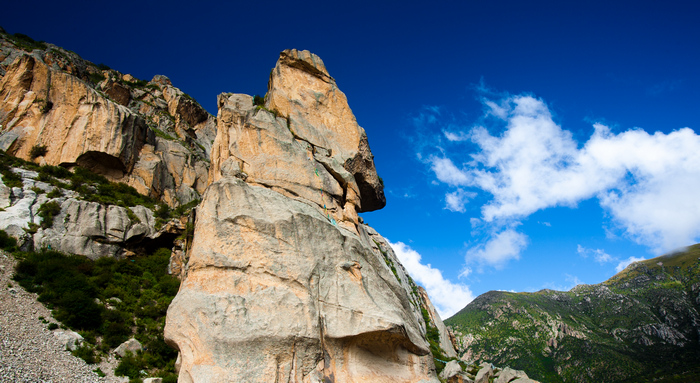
{"x":53,"y":326}
{"x":26,"y":43}
{"x":37,"y":151}
{"x":86,"y":353}
{"x":7,"y":243}
{"x":55,"y":171}
{"x":163,"y":211}
{"x":70,"y":284}
{"x":130,"y":365}
{"x":96,"y":77}
{"x":47,"y":212}
{"x":55,"y":193}
{"x":10,"y":178}
{"x":258,"y":100}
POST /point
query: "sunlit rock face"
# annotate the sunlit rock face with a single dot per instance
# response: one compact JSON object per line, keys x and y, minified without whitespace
{"x":46,"y":107}
{"x":149,"y":135}
{"x":283,"y":283}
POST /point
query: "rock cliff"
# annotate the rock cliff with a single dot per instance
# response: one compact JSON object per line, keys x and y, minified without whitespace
{"x":58,"y":109}
{"x":283,"y":282}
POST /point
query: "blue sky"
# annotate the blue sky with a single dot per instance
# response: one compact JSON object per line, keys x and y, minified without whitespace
{"x":523,"y":145}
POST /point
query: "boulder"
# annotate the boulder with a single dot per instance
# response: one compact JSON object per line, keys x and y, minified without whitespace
{"x":508,"y":374}
{"x":484,"y":373}
{"x":452,"y":373}
{"x":132,"y":345}
{"x":69,"y":340}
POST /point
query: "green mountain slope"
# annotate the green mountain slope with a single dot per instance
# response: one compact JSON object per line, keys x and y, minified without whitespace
{"x":640,"y":325}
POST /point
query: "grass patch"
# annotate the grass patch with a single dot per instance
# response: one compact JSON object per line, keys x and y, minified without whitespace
{"x":25,"y":42}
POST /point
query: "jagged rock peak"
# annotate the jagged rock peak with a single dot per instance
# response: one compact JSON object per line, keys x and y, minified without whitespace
{"x":307,"y":62}
{"x":317,"y":112}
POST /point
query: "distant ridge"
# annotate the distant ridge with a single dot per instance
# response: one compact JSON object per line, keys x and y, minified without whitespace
{"x":641,"y":325}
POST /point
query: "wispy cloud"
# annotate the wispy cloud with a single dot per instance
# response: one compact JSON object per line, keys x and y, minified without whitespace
{"x":599,"y":255}
{"x":447,"y":297}
{"x":456,"y":200}
{"x":499,"y":248}
{"x":447,"y":172}
{"x":621,"y":266}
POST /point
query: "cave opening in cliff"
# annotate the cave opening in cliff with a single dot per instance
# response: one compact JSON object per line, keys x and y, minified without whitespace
{"x":102,"y":164}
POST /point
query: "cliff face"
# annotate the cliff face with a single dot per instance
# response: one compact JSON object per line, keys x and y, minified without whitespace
{"x":283,"y":283}
{"x":641,"y":325}
{"x":281,"y":279}
{"x":149,"y":135}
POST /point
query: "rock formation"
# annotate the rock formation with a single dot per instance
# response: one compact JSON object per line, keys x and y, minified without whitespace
{"x":149,"y":135}
{"x":281,"y":279}
{"x":283,"y":282}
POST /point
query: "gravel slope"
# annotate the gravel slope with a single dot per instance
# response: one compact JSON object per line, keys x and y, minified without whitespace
{"x":29,"y":352}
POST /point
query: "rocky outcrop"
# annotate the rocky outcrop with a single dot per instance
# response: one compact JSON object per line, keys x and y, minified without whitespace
{"x":283,"y":283}
{"x":75,"y":125}
{"x":79,"y":227}
{"x":317,"y":112}
{"x":150,"y":135}
{"x":445,"y":343}
{"x":132,"y":345}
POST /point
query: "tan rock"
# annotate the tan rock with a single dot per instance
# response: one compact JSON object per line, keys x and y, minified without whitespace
{"x":78,"y":126}
{"x":275,"y":292}
{"x":118,"y":92}
{"x":317,"y":112}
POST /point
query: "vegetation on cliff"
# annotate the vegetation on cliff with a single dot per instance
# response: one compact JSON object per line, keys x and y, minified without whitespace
{"x":640,"y":325}
{"x":107,"y":301}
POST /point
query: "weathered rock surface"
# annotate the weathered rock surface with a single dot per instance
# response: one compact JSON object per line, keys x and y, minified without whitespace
{"x":151,"y":136}
{"x":132,"y":345}
{"x":283,"y":283}
{"x":271,"y":280}
{"x":84,"y":228}
{"x":484,"y":373}
{"x":317,"y":112}
{"x":44,"y":107}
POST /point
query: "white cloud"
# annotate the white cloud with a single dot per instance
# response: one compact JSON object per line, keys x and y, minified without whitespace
{"x":456,"y":200}
{"x":647,"y":182}
{"x":447,"y":297}
{"x":499,"y":249}
{"x":447,"y":172}
{"x":599,"y":255}
{"x":456,"y":137}
{"x":621,"y":266}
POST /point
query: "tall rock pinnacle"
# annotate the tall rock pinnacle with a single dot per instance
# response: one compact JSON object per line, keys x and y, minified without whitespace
{"x":283,"y":283}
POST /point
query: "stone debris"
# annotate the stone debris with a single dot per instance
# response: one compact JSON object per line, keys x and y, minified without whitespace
{"x":29,"y":351}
